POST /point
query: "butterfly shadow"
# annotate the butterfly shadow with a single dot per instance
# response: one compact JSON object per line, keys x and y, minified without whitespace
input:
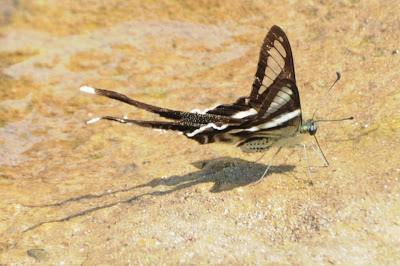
{"x":225,"y":172}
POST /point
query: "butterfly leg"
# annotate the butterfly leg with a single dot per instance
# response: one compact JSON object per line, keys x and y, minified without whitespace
{"x":320,"y":155}
{"x":266,"y":171}
{"x":319,"y":152}
{"x":308,"y":164}
{"x":261,"y":156}
{"x":291,"y":153}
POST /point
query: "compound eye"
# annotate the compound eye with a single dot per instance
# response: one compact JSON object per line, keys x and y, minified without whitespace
{"x":313,"y":129}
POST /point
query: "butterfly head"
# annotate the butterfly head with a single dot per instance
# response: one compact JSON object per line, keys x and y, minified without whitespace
{"x":309,"y":126}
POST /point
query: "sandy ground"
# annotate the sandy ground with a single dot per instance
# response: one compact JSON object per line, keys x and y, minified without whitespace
{"x":108,"y":193}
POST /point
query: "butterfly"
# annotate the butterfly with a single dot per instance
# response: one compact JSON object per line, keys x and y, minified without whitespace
{"x":270,"y":117}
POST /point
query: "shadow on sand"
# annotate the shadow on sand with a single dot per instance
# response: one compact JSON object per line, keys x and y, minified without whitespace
{"x":226,"y":173}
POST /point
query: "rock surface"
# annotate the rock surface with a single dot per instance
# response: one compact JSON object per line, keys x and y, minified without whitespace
{"x":108,"y":193}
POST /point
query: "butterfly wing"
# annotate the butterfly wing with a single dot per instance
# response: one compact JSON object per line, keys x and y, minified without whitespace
{"x":273,"y":104}
{"x":275,"y":70}
{"x":275,"y":64}
{"x":274,"y":101}
{"x":274,"y":92}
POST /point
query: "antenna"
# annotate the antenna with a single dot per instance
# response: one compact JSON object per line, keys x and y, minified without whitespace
{"x":335,"y":120}
{"x":330,"y":120}
{"x":326,"y":94}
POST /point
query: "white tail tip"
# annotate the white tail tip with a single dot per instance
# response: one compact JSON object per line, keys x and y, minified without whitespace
{"x":87,"y":89}
{"x":94,"y":120}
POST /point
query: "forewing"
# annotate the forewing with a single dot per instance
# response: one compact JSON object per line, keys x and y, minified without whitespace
{"x":275,"y":64}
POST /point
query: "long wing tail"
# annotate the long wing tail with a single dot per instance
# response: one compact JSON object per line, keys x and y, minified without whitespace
{"x":213,"y":125}
{"x":183,"y":121}
{"x":150,"y":124}
{"x":163,"y":112}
